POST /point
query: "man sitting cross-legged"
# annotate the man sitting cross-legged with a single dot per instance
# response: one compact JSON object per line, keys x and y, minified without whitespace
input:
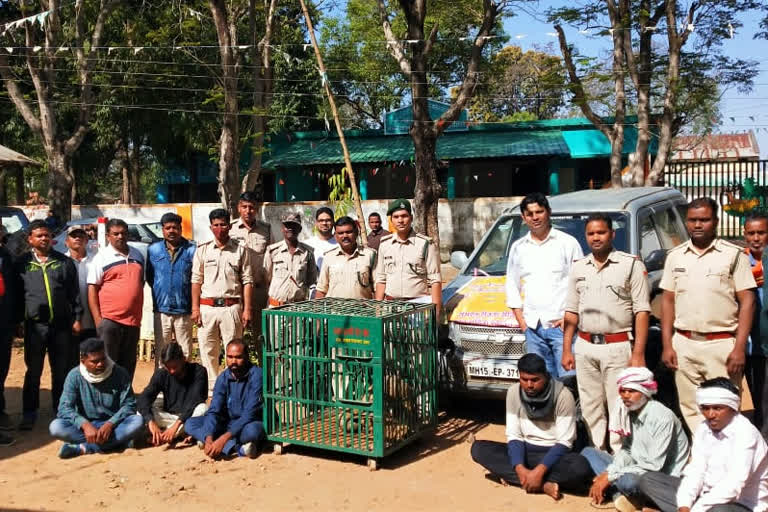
{"x":652,"y":439}
{"x":233,"y":423}
{"x":541,"y":428}
{"x":97,"y":409}
{"x":184,"y":387}
{"x":728,"y":471}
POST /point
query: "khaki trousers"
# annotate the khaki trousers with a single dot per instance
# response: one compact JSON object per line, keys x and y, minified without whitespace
{"x":698,"y":361}
{"x":169,"y":328}
{"x":597,"y":368}
{"x":218,"y":324}
{"x":165,"y":419}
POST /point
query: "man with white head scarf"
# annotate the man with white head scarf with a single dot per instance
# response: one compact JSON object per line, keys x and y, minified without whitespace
{"x":652,"y":437}
{"x":728,"y":471}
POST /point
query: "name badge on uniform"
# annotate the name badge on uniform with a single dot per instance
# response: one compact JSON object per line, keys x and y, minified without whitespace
{"x":678,"y":269}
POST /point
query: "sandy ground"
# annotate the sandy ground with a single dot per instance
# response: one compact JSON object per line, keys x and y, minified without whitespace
{"x":432,"y":474}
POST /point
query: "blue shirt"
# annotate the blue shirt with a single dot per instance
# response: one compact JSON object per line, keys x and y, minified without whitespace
{"x":235,"y":402}
{"x":753,"y":347}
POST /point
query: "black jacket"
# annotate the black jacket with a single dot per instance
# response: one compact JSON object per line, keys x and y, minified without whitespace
{"x":11,"y":309}
{"x":51,"y":290}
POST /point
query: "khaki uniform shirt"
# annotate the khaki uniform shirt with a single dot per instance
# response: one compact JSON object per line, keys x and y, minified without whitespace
{"x":348,"y":277}
{"x":222,"y":271}
{"x":607,"y":299}
{"x":408,"y":267}
{"x":705,"y":285}
{"x":290,"y":275}
{"x":256,"y":240}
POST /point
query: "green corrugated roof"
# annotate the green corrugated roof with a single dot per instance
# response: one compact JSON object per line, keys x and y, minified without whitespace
{"x":575,"y":137}
{"x":450,"y":146}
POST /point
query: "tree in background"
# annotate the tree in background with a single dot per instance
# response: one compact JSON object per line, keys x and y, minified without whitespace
{"x":412,"y":51}
{"x":671,"y":86}
{"x":520,"y":86}
{"x":80,"y":25}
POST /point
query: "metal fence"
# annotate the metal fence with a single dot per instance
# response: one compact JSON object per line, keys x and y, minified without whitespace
{"x":738,"y":187}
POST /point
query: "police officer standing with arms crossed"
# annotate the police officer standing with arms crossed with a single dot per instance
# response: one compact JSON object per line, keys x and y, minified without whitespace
{"x":409,"y":265}
{"x":707,"y":308}
{"x":221,"y":292}
{"x":607,"y":291}
{"x":347,"y":269}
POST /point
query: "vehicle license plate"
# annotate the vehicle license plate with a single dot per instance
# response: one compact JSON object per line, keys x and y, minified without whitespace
{"x":492,"y":370}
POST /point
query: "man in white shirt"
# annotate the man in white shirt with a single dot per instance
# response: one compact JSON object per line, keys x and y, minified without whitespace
{"x":77,"y":249}
{"x":537,"y":269}
{"x":728,"y":470}
{"x":324,"y":240}
{"x":541,"y":428}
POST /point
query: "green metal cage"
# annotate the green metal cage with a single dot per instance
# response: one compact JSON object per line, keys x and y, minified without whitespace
{"x":356,"y":376}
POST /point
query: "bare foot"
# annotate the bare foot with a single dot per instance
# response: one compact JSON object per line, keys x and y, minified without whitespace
{"x":552,"y":490}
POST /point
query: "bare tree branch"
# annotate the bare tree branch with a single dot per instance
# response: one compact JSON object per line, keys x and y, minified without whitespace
{"x":395,"y":46}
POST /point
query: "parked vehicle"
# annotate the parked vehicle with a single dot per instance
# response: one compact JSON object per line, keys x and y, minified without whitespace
{"x":140,"y":233}
{"x":15,"y":222}
{"x":484,"y":341}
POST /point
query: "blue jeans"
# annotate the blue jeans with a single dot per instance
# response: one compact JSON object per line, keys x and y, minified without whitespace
{"x":125,"y":432}
{"x":548,"y":343}
{"x":599,"y":460}
{"x":251,"y":432}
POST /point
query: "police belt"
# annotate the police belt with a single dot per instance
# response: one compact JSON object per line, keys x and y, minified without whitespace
{"x":221,"y":302}
{"x":706,"y":336}
{"x":602,"y":339}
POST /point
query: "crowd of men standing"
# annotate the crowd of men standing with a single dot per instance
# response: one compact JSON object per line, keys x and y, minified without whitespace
{"x":94,"y":301}
{"x":589,"y":317}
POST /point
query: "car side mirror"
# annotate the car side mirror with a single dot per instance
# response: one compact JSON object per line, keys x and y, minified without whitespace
{"x":459,"y":259}
{"x":655,"y":260}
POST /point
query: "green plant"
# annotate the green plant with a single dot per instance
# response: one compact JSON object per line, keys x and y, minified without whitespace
{"x":340,"y":195}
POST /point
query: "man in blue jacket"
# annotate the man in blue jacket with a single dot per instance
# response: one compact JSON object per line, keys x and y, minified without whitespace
{"x":169,"y":274}
{"x":233,"y":423}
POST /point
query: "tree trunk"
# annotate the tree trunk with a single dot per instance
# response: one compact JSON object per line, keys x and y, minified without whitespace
{"x":19,"y":192}
{"x":3,"y":183}
{"x":60,"y":183}
{"x":229,"y":173}
{"x":427,"y":188}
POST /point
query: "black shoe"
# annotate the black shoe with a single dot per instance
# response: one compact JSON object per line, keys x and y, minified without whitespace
{"x":28,"y":421}
{"x":6,"y":440}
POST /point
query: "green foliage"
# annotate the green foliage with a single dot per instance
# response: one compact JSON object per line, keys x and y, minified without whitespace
{"x":340,"y":194}
{"x":522,"y":86}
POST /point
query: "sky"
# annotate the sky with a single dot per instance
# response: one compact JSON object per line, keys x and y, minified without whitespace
{"x":741,"y":112}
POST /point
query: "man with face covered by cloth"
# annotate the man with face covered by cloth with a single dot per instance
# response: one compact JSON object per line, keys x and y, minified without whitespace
{"x":541,"y":428}
{"x":728,"y":471}
{"x":652,"y":439}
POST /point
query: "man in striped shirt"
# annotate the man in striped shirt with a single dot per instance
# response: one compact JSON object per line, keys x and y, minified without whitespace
{"x":116,"y":295}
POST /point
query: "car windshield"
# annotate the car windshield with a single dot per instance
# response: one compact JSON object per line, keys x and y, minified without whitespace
{"x":491,"y":259}
{"x":11,"y":221}
{"x":155,"y":228}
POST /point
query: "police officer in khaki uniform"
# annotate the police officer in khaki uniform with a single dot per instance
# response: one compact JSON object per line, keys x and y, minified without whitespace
{"x":289,"y":265}
{"x":409,"y":265}
{"x":607,"y":291}
{"x":348,"y":269}
{"x":707,"y":308}
{"x":221,"y":292}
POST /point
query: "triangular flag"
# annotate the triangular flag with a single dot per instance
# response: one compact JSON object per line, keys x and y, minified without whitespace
{"x":293,"y":197}
{"x":9,"y":49}
{"x":374,"y":171}
{"x":137,"y":50}
{"x":281,"y":182}
{"x":752,"y":118}
{"x":37,"y":49}
{"x":733,"y":119}
{"x":475,"y":176}
{"x":110,"y":50}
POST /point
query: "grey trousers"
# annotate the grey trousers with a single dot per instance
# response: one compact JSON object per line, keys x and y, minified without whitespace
{"x":661,"y":489}
{"x":120,"y":342}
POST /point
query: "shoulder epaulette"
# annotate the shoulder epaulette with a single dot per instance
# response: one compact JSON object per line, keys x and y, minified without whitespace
{"x":272,"y":247}
{"x":386,"y":237}
{"x":307,"y":247}
{"x":679,"y":247}
{"x":731,"y":245}
{"x":424,"y":237}
{"x":329,"y":251}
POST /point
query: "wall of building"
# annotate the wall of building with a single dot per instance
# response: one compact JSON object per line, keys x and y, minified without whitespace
{"x":462,"y":221}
